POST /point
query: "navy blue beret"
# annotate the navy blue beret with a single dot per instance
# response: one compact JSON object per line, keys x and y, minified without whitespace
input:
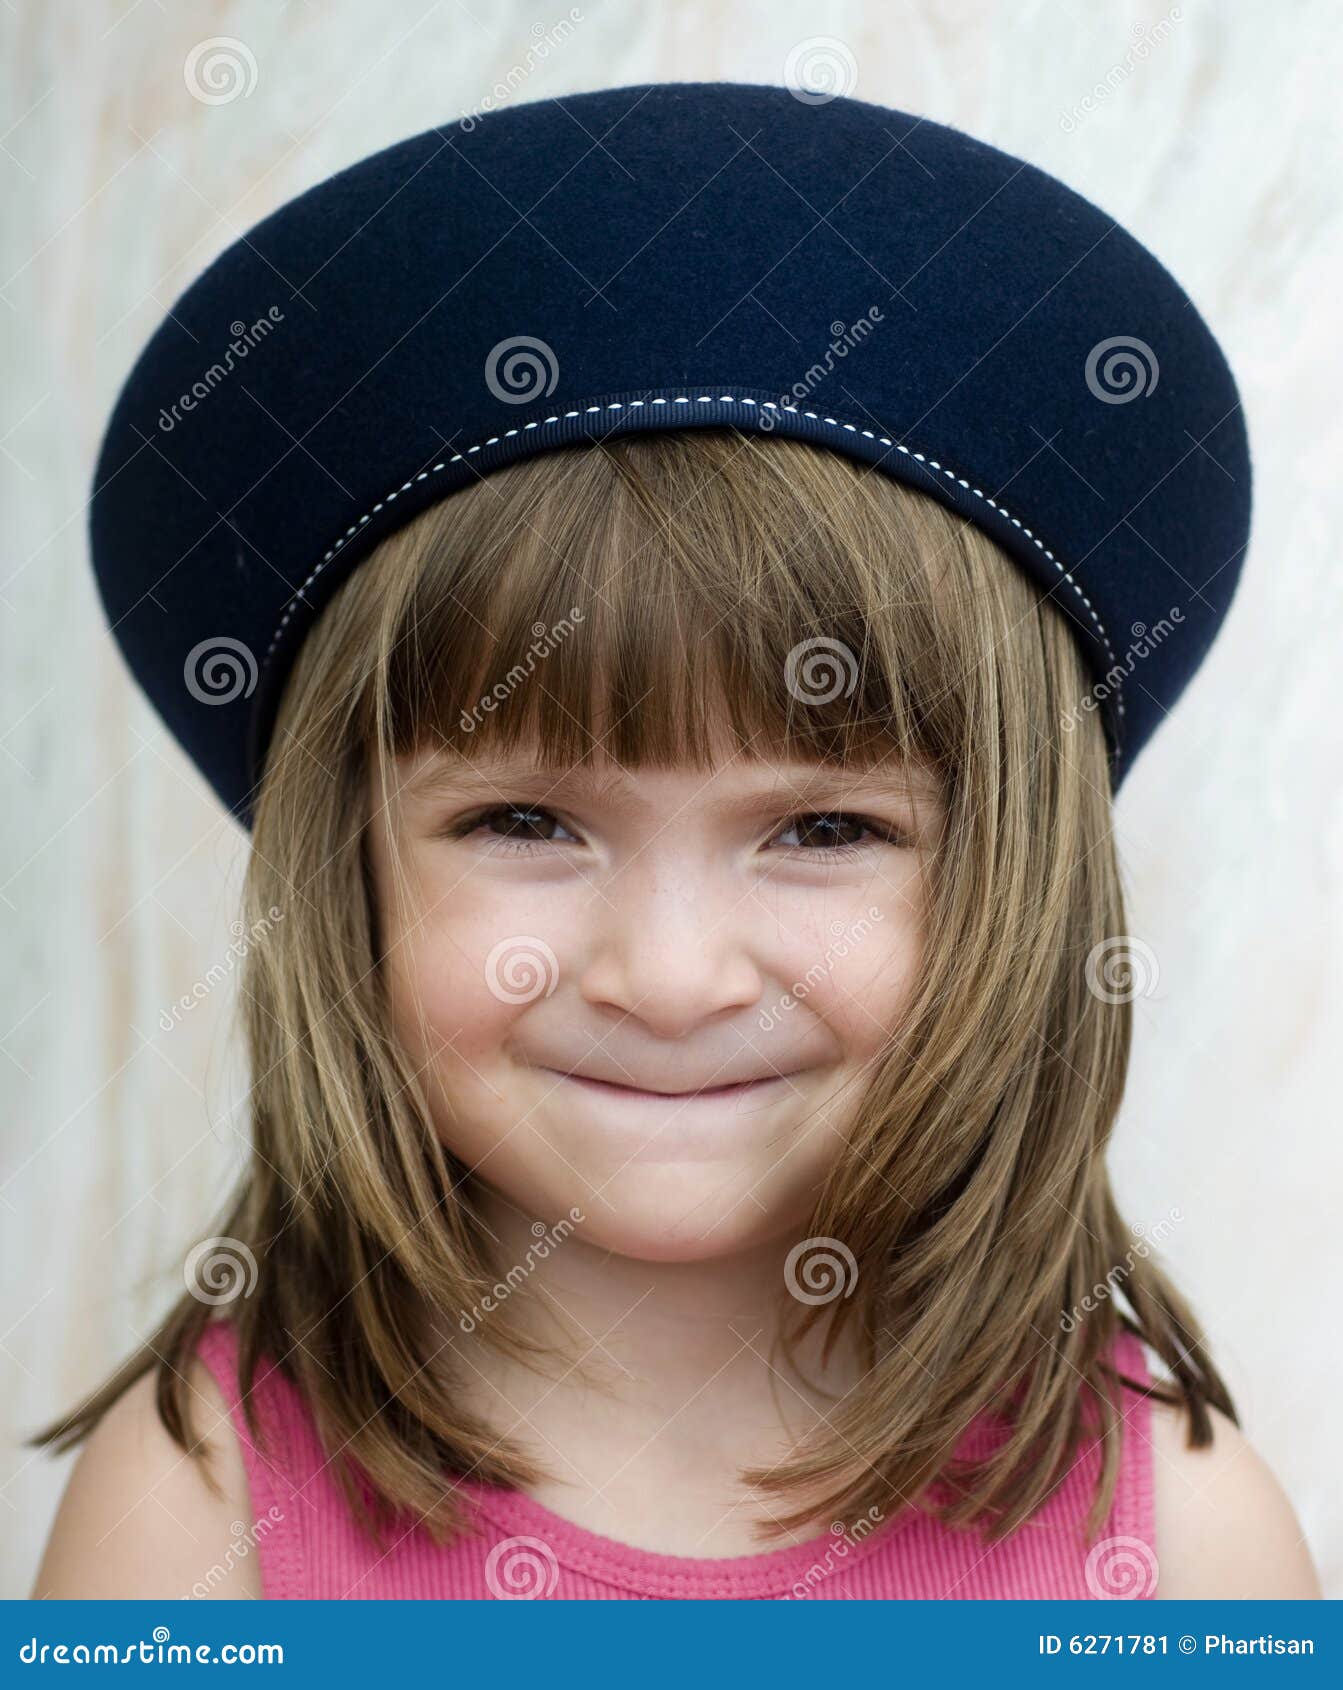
{"x":674,"y":255}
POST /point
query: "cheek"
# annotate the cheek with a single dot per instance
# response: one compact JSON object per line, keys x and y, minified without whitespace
{"x":471,"y":968}
{"x":854,"y":961}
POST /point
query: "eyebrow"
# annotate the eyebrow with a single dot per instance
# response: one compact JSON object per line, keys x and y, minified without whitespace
{"x":488,"y":778}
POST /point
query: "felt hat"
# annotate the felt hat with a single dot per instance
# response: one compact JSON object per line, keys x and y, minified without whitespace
{"x":670,"y":255}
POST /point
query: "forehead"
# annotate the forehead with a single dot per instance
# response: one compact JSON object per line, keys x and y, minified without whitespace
{"x":432,"y":772}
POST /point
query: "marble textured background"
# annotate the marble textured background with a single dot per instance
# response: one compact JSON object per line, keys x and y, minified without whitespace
{"x":1210,"y":130}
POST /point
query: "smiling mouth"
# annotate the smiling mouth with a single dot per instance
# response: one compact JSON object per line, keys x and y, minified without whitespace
{"x":741,"y":1088}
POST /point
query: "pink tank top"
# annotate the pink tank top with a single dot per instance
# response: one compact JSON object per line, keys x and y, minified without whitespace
{"x":308,"y":1545}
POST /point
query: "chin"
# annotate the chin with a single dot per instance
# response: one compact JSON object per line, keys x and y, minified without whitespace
{"x":702,"y":1188}
{"x":704,"y":1213}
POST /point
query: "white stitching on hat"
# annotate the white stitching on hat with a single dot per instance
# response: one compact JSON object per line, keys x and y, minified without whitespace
{"x":699,"y":399}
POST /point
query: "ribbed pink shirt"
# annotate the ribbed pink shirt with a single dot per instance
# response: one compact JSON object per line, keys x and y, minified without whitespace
{"x":308,"y":1545}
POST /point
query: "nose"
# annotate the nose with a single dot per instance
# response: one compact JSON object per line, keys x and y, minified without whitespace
{"x":669,"y":954}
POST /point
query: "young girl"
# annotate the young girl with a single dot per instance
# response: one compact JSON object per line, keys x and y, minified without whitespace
{"x":682,"y":1073}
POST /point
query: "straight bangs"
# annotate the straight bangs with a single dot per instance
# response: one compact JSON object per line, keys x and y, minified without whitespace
{"x":669,"y":601}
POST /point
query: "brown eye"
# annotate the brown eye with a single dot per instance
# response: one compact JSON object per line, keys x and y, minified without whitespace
{"x":518,"y":821}
{"x":511,"y":827}
{"x":835,"y":832}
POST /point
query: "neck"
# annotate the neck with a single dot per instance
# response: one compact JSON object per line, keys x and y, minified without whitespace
{"x":678,"y":1384}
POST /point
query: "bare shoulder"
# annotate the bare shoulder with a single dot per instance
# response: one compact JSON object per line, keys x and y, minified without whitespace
{"x":1224,"y":1526}
{"x":138,"y":1518}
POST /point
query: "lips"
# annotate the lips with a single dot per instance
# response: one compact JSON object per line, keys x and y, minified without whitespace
{"x":715,"y":1124}
{"x":738,"y":1088}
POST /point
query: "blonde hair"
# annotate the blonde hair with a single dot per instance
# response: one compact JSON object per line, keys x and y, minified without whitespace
{"x":590,"y":601}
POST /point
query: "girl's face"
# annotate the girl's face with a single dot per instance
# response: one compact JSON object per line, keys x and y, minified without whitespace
{"x":652,"y":996}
